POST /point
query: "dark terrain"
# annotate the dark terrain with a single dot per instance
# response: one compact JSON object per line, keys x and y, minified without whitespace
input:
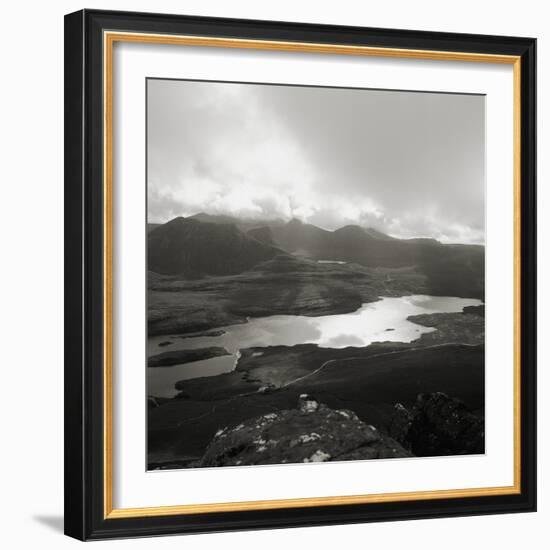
{"x":314,"y":432}
{"x":178,"y":357}
{"x":192,"y":248}
{"x":221,"y":245}
{"x":207,"y":272}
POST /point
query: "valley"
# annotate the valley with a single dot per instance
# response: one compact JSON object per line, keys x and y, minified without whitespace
{"x":206,"y":276}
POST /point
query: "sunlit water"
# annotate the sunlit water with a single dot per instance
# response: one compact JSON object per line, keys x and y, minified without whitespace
{"x":382,"y":321}
{"x":331,"y":262}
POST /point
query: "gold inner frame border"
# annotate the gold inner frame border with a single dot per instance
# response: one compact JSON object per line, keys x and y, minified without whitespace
{"x":109,"y":39}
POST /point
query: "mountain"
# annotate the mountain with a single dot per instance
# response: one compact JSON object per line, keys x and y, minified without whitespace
{"x":454,"y":270}
{"x":262,"y":234}
{"x":244,"y":224}
{"x":151,"y":226}
{"x":221,"y":245}
{"x":301,"y":238}
{"x":350,"y":243}
{"x":214,"y":218}
{"x":378,"y":234}
{"x":185,"y":246}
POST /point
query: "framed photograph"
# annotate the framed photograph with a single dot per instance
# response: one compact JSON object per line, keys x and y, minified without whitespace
{"x":300,"y":274}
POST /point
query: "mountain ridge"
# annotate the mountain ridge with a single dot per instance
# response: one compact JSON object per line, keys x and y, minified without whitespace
{"x":184,"y":246}
{"x":194,"y":248}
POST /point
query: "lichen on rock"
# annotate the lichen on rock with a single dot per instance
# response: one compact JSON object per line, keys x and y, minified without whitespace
{"x":312,"y":432}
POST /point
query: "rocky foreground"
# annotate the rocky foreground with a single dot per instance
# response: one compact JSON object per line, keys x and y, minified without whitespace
{"x":311,"y":433}
{"x":438,"y":425}
{"x":314,"y":432}
{"x":368,"y":381}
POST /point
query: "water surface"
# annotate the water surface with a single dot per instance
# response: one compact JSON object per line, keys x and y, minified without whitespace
{"x":381,"y":321}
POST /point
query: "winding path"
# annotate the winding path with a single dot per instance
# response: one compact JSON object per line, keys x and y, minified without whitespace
{"x":340,"y":360}
{"x":318,"y":370}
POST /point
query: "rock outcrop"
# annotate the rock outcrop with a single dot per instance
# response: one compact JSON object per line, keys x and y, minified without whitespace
{"x":438,"y":425}
{"x":311,"y":433}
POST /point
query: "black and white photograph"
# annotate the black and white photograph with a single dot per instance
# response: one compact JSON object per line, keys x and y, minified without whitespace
{"x":300,"y":280}
{"x":315,"y":283}
{"x":273,"y":266}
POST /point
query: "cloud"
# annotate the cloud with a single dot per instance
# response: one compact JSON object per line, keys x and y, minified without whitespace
{"x":220,"y":153}
{"x":411,"y":164}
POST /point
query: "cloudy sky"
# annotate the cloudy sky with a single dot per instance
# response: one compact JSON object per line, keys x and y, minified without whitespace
{"x":409,"y":164}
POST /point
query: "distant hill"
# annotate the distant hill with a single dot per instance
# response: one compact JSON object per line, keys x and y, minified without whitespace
{"x":457,"y":270}
{"x":302,"y":238}
{"x":186,"y":246}
{"x":214,"y":218}
{"x":262,"y":234}
{"x":377,"y":234}
{"x":244,"y":224}
{"x":151,"y":226}
{"x":454,"y":269}
{"x":222,"y":245}
{"x":350,"y":243}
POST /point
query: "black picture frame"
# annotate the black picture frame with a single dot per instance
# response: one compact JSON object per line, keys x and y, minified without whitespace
{"x":85,"y":517}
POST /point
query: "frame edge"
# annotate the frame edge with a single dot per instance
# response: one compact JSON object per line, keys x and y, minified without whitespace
{"x":81,"y":518}
{"x":74,"y":270}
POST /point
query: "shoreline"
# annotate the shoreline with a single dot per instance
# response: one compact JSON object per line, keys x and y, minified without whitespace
{"x":457,"y":327}
{"x":369,"y":386}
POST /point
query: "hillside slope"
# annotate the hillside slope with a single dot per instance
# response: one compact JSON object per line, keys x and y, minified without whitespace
{"x":192,"y":248}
